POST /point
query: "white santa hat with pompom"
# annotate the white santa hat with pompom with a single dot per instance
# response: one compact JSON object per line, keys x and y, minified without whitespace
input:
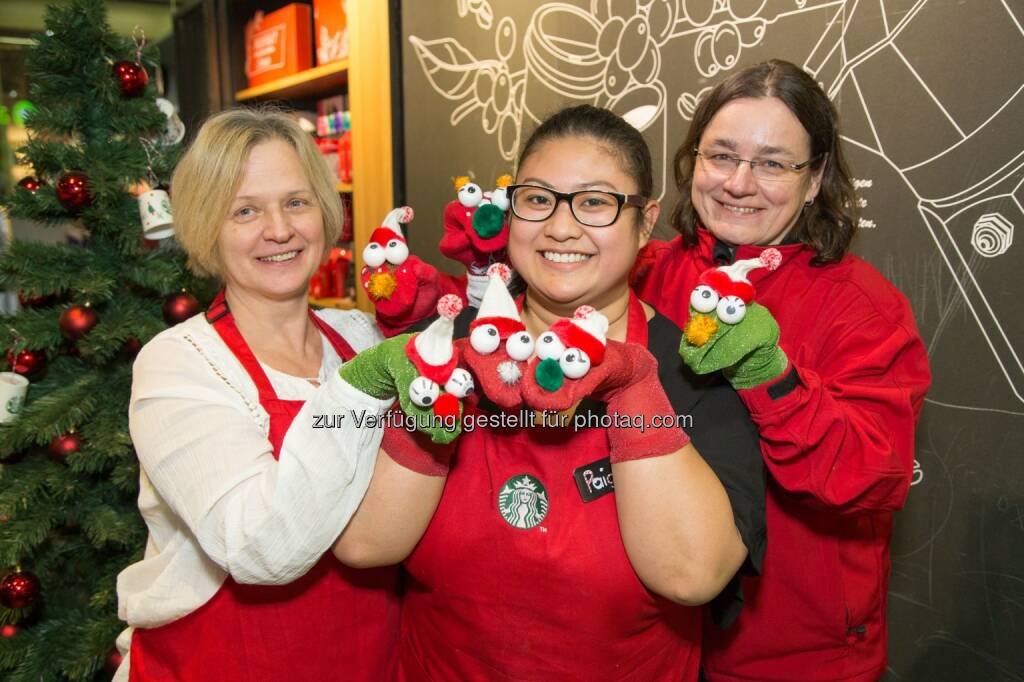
{"x":497,"y":306}
{"x":386,"y":243}
{"x":431,"y":351}
{"x":586,"y":330}
{"x":731,"y":280}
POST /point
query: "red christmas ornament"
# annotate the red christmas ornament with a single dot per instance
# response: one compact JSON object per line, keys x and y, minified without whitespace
{"x":113,"y":661}
{"x":73,"y":191}
{"x":19,"y":589}
{"x":27,"y":301}
{"x":30,"y":183}
{"x":179,"y":307}
{"x":132,"y":78}
{"x":77,"y":321}
{"x":9,"y":630}
{"x":62,"y":446}
{"x":130,"y":348}
{"x":27,"y":363}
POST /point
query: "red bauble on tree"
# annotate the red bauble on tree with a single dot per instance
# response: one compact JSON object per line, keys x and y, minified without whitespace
{"x":19,"y":589}
{"x":62,"y":446}
{"x":30,"y":183}
{"x":27,"y":301}
{"x":179,"y":307}
{"x":77,"y":321}
{"x":130,"y":348}
{"x":8,"y":631}
{"x":73,"y":191}
{"x":27,"y":363}
{"x":112,"y":661}
{"x":132,"y":78}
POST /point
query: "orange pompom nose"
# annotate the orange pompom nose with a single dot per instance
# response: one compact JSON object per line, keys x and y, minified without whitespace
{"x":700,"y":329}
{"x":382,"y":285}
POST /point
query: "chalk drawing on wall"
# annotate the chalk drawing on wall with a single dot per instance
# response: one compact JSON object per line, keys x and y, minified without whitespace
{"x":968,"y":192}
{"x":612,"y":53}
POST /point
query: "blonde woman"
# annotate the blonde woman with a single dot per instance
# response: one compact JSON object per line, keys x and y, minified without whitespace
{"x":244,"y":499}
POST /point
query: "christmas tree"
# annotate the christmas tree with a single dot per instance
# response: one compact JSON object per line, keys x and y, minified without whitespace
{"x":69,"y":478}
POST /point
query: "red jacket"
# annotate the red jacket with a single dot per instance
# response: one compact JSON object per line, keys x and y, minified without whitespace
{"x":838,"y":441}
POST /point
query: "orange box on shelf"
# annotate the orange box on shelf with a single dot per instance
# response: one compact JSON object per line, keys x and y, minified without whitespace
{"x":278,"y":44}
{"x":330,"y":26}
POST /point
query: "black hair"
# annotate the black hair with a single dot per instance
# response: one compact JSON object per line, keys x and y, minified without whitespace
{"x":623,"y":140}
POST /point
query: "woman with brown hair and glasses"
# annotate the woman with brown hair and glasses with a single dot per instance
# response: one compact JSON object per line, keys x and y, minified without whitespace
{"x":835,"y":388}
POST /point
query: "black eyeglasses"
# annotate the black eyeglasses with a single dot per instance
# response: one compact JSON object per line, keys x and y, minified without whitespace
{"x":592,"y":208}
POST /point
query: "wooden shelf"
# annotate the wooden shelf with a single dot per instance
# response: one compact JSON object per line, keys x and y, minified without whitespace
{"x":345,"y":187}
{"x":316,"y":81}
{"x":339,"y":303}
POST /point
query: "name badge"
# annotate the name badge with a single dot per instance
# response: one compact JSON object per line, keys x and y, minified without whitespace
{"x":594,"y":480}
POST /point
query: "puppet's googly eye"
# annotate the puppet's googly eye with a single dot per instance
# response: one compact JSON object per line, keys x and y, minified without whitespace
{"x":519,"y":346}
{"x":703,"y":299}
{"x":574,"y":363}
{"x":499,"y":198}
{"x":396,"y":251}
{"x":423,"y":391}
{"x":731,"y":309}
{"x":485,"y":339}
{"x":460,"y":383}
{"x":470,"y":195}
{"x":373,"y":255}
{"x":549,"y":346}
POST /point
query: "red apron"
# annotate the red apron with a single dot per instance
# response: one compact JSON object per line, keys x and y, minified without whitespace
{"x":519,"y":578}
{"x":332,"y":623}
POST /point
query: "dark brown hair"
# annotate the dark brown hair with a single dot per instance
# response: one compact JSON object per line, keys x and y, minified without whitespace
{"x":605,"y":126}
{"x":828,"y":224}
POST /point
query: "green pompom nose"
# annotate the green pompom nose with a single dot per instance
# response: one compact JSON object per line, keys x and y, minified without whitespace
{"x":549,"y":375}
{"x":487,"y":221}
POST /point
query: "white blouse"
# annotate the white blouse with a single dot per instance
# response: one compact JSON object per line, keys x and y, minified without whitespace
{"x":215,"y":500}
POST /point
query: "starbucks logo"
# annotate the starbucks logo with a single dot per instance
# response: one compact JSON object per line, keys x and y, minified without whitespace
{"x":523,"y":501}
{"x":14,"y":405}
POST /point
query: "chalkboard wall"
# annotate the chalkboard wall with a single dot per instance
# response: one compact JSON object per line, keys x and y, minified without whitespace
{"x":931,"y":94}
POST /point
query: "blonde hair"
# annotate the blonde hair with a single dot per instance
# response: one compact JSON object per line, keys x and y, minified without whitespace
{"x":210,"y":172}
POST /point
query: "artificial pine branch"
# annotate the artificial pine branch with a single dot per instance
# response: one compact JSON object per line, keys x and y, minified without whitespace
{"x":74,"y":522}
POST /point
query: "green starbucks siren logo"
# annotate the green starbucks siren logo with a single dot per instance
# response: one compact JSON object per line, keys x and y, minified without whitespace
{"x":14,"y":405}
{"x":523,"y":501}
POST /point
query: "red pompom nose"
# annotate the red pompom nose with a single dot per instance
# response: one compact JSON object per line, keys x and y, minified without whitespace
{"x":447,"y":405}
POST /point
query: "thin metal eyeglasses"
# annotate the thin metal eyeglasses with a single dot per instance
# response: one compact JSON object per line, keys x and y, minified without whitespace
{"x":593,"y":208}
{"x":763,"y":169}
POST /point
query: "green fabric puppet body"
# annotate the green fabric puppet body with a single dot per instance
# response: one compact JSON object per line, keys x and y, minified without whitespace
{"x":728,"y":331}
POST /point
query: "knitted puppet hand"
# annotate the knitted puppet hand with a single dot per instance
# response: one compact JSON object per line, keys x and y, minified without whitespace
{"x":415,"y":368}
{"x":728,"y":331}
{"x":623,"y":375}
{"x":475,"y":228}
{"x":402,"y":288}
{"x":498,"y":345}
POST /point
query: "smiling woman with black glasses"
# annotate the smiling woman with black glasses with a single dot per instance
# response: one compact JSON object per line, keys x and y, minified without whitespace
{"x":553,"y":555}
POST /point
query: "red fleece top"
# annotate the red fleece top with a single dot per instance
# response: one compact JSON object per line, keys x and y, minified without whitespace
{"x":837,"y":434}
